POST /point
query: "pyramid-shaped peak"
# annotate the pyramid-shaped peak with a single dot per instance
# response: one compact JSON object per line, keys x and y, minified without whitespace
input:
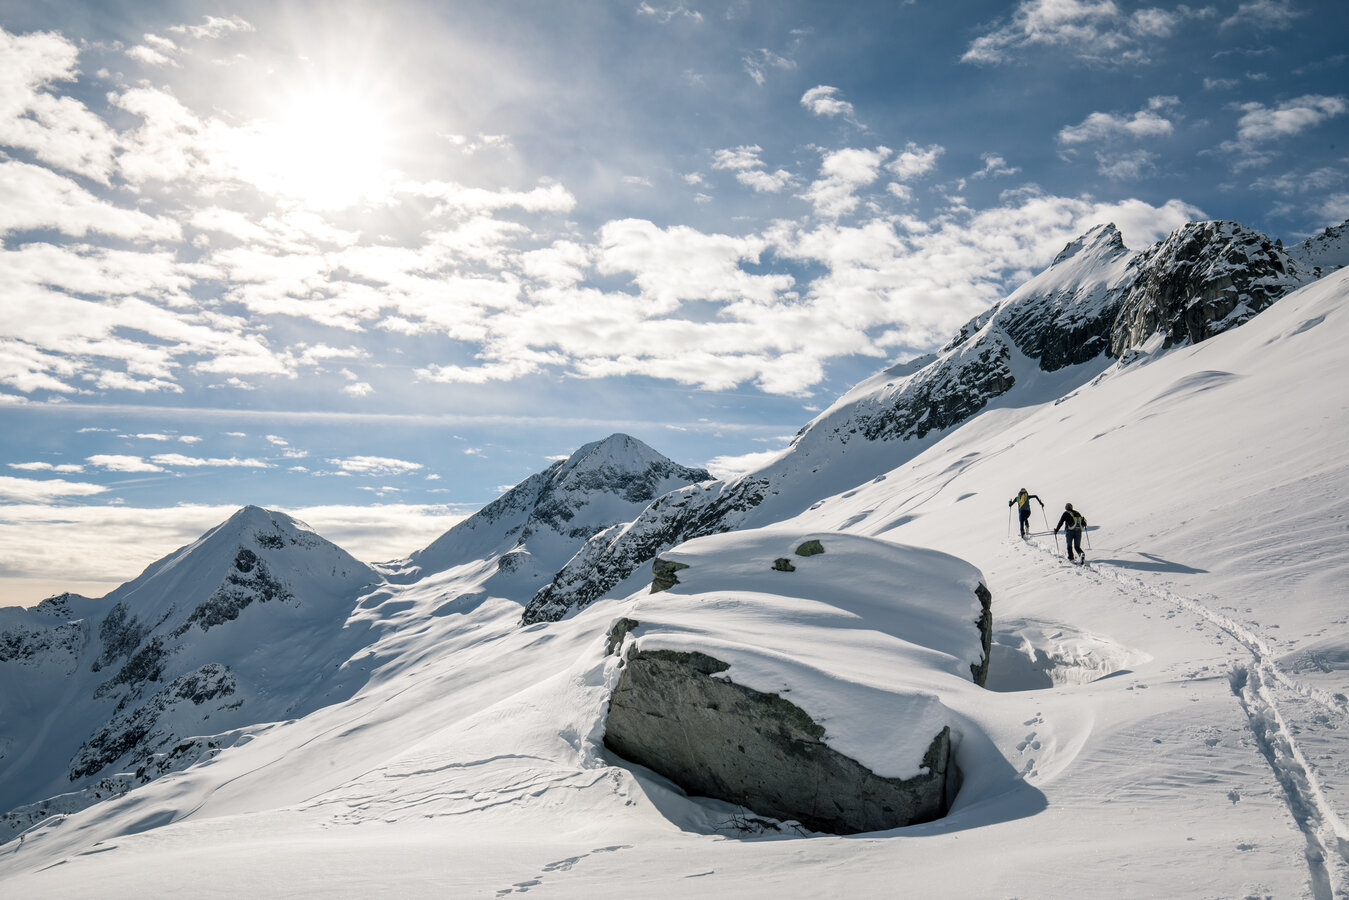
{"x":617,"y":450}
{"x":1105,"y":237}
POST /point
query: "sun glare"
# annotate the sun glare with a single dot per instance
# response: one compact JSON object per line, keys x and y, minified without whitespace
{"x":325,"y":148}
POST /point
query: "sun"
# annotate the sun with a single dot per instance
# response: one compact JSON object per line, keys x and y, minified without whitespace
{"x":324,"y":147}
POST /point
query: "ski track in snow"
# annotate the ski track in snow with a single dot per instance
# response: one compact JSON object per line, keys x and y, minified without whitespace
{"x":1255,"y":685}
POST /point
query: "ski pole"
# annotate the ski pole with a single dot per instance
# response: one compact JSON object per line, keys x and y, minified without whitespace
{"x":1009,"y":520}
{"x":1088,"y":535}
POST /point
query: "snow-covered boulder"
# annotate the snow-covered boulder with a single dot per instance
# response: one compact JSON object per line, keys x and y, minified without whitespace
{"x":815,"y":693}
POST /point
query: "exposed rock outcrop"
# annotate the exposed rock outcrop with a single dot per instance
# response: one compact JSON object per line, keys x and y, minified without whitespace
{"x":718,"y":739}
{"x":1204,"y":279}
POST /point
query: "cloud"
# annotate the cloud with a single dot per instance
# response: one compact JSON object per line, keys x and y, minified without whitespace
{"x":1263,"y":15}
{"x":375,"y":465}
{"x":994,"y":167}
{"x":1260,"y":123}
{"x":120,"y":463}
{"x":914,"y":161}
{"x":63,"y":468}
{"x":59,"y":131}
{"x":195,"y":462}
{"x":38,"y":198}
{"x":66,"y":546}
{"x":30,"y":490}
{"x":1099,"y":126}
{"x":726,"y":467}
{"x":824,"y":101}
{"x":760,"y":62}
{"x":156,"y":51}
{"x":1093,"y":31}
{"x":749,"y":169}
{"x":214,"y":27}
{"x":1128,"y":166}
{"x":665,"y":14}
{"x":844,"y":171}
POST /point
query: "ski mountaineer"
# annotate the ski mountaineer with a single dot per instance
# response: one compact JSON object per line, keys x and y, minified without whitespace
{"x":1022,"y":501}
{"x":1072,"y":522}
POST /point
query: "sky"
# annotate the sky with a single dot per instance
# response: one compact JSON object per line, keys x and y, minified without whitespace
{"x":373,"y":263}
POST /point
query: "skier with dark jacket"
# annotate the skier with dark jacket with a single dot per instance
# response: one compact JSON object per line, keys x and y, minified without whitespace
{"x":1022,"y":501}
{"x":1072,"y":522}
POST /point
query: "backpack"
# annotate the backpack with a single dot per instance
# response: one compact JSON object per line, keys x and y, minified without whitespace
{"x":1075,"y":520}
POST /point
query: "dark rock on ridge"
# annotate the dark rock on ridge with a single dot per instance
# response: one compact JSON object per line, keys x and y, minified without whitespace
{"x":1203,"y":279}
{"x":718,"y":739}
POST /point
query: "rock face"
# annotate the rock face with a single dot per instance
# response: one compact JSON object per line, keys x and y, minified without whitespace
{"x":612,"y":555}
{"x":1205,"y":278}
{"x":719,"y":739}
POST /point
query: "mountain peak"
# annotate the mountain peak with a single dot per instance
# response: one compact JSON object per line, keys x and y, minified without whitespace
{"x":1100,"y":237}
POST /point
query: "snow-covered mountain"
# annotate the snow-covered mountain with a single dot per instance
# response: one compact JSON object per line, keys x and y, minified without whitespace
{"x":1165,"y":721}
{"x":249,"y":624}
{"x":1095,"y":302}
{"x":530,"y":531}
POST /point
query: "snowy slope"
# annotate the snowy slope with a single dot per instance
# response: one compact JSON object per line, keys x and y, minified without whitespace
{"x":1165,"y":722}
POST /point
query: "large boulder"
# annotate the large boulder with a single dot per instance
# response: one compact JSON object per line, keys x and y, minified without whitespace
{"x":719,"y":739}
{"x":804,"y":677}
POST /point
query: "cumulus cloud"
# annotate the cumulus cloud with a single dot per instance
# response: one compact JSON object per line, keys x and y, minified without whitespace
{"x":63,"y":468}
{"x":749,"y":169}
{"x":666,"y":14}
{"x":1260,"y":123}
{"x":1264,"y":15}
{"x":59,"y":131}
{"x":1094,"y":31}
{"x":57,"y":548}
{"x":994,"y":167}
{"x":825,"y":101}
{"x":214,"y":27}
{"x":1099,"y":126}
{"x":914,"y":161}
{"x":759,"y":63}
{"x":122,"y":463}
{"x":843,"y":172}
{"x":178,"y":460}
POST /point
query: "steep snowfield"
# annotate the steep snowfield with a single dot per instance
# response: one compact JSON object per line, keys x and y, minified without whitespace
{"x":1167,"y":721}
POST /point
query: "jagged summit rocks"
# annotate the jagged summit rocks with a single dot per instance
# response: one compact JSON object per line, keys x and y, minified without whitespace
{"x":1203,"y":279}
